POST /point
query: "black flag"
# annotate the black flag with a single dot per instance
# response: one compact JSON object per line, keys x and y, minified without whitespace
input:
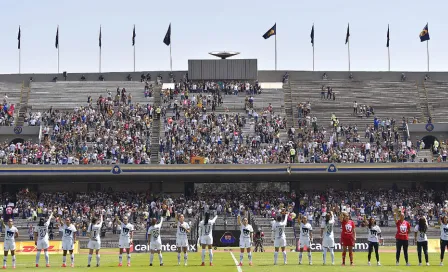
{"x":388,"y":38}
{"x":19,"y":36}
{"x":347,"y":36}
{"x":167,"y":39}
{"x":312,"y":36}
{"x":133,"y":36}
{"x":99,"y":42}
{"x":56,"y":43}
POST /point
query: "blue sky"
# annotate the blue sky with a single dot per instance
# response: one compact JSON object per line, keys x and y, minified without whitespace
{"x":200,"y":26}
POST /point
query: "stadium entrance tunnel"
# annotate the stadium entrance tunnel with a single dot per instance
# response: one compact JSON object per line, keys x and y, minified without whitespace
{"x":429,"y":141}
{"x":17,"y":140}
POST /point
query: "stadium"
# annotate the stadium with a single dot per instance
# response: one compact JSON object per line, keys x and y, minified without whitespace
{"x":224,"y":166}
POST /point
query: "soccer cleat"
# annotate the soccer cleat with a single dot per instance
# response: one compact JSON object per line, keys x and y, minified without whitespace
{"x":369,"y":264}
{"x":13,"y":267}
{"x":185,"y":264}
{"x":120,"y":265}
{"x":427,"y":264}
{"x":332,"y":263}
{"x":419,"y":264}
{"x":97,"y":265}
{"x":150,"y":264}
{"x":72,"y":265}
{"x":408,"y":264}
{"x":311,"y":263}
{"x":48,"y":265}
{"x":161,"y":264}
{"x":250,"y":264}
{"x":378,"y":264}
{"x":178,"y":263}
{"x":4,"y":267}
{"x":441,"y":263}
{"x":202,"y":264}
{"x":37,"y":265}
{"x":64,"y":265}
{"x":352,"y":264}
{"x":240,"y":264}
{"x":397,"y":264}
{"x":343,"y":264}
{"x":211,"y":264}
{"x":300,"y":262}
{"x":88,"y":265}
{"x":129,"y":264}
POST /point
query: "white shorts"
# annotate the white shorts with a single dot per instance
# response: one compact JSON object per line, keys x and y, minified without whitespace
{"x":42,"y":244}
{"x":94,"y":245}
{"x":9,"y":245}
{"x":124,"y":244}
{"x":245,"y":243}
{"x":155,"y":246}
{"x":304,"y":243}
{"x":280,"y":242}
{"x":206,"y":240}
{"x":182,"y":242}
{"x":67,"y":245}
{"x":327,"y":242}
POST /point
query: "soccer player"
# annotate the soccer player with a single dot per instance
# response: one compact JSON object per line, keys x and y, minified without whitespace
{"x":443,"y":222}
{"x":155,"y":241}
{"x":327,"y":234}
{"x":41,"y":239}
{"x":206,"y":234}
{"x":306,"y":236}
{"x":125,"y":241}
{"x":68,"y":242}
{"x":94,"y":240}
{"x":422,"y":240}
{"x":402,"y":237}
{"x":348,"y":237}
{"x":181,"y":237}
{"x":246,"y":238}
{"x":373,"y":236}
{"x":11,"y":233}
{"x":278,"y":227}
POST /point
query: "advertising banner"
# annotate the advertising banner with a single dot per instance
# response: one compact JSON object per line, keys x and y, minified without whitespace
{"x":141,"y":246}
{"x":29,"y":248}
{"x":361,"y":245}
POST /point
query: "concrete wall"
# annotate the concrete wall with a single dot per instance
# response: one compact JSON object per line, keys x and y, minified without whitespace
{"x":26,"y":133}
{"x":263,"y":76}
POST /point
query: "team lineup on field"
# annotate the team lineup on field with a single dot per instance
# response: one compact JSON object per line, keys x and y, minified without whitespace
{"x":246,"y":241}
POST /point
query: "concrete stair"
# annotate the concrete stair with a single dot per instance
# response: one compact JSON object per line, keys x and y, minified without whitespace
{"x":22,"y":106}
{"x":155,"y":126}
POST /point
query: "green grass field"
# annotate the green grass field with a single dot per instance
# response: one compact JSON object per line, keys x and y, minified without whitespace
{"x":223,"y":262}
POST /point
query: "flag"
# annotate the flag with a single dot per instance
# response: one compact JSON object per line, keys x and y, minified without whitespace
{"x":388,"y":38}
{"x":133,"y":37}
{"x":271,"y":32}
{"x":19,"y":36}
{"x":99,"y":39}
{"x":312,"y":36}
{"x":167,"y":39}
{"x":424,"y":35}
{"x":56,"y":43}
{"x":347,"y":36}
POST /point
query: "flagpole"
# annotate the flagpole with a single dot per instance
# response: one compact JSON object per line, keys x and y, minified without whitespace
{"x":171,"y":59}
{"x":388,"y":57}
{"x":427,"y":52}
{"x":348,"y":48}
{"x":313,"y":56}
{"x":134,"y":57}
{"x":276,"y":47}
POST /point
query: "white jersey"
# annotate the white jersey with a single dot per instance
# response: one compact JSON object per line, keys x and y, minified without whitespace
{"x":373,"y":233}
{"x":42,"y":231}
{"x":421,"y":236}
{"x":68,"y":233}
{"x":95,"y":230}
{"x":246,"y":231}
{"x":126,"y":230}
{"x":305,"y":230}
{"x":279,"y":228}
{"x":182,"y":230}
{"x":154,"y":231}
{"x":328,"y":229}
{"x":444,"y":232}
{"x":206,"y":230}
{"x":10,"y":234}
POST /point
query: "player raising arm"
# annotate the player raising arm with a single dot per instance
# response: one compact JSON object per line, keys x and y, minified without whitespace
{"x":182,"y":237}
{"x":11,"y":234}
{"x":154,"y":240}
{"x":94,"y":231}
{"x":306,"y":236}
{"x":278,"y":227}
{"x":327,"y":235}
{"x":125,"y":240}
{"x":68,"y":242}
{"x":402,"y":236}
{"x":348,"y":237}
{"x":206,"y":234}
{"x":246,"y":238}
{"x":374,"y":235}
{"x":41,"y":239}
